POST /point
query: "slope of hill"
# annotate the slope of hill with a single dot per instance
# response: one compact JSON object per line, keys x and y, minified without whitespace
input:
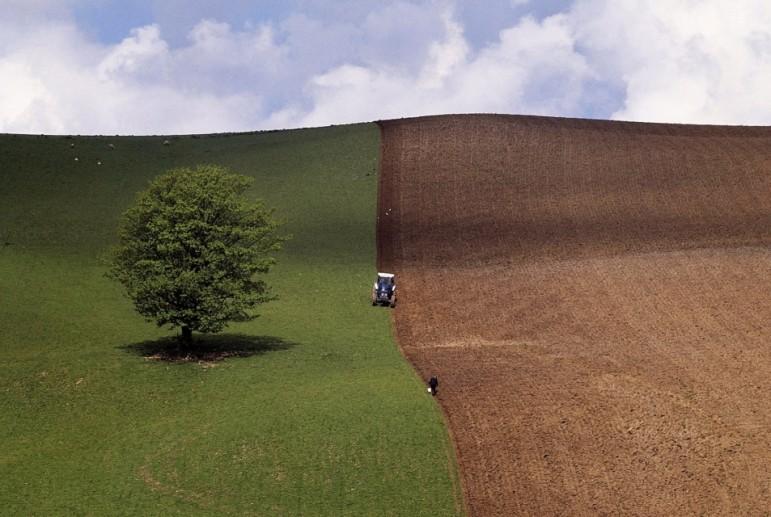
{"x":320,"y":416}
{"x":594,"y":297}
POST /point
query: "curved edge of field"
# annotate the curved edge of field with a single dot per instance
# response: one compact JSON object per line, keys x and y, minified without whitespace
{"x":321,"y":415}
{"x":384,"y":260}
{"x":609,"y":354}
{"x":450,"y":445}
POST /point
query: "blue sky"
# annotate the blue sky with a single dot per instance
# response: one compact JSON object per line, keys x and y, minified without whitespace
{"x":111,"y":20}
{"x":186,"y":66}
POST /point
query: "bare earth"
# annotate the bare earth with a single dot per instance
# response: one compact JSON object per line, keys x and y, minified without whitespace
{"x":595,"y":299}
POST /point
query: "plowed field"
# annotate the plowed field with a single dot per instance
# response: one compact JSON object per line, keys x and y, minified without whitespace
{"x":595,"y":299}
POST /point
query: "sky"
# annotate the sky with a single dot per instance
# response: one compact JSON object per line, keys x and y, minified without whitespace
{"x":193,"y":66}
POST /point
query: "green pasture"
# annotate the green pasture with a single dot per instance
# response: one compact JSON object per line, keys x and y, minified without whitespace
{"x":316,"y":412}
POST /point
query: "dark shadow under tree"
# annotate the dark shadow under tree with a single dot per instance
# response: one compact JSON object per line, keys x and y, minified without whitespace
{"x":208,"y":347}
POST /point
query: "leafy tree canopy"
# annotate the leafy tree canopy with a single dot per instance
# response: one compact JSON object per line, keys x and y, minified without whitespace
{"x":192,"y":249}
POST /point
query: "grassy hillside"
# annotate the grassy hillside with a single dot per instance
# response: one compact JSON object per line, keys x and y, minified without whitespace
{"x":320,"y":414}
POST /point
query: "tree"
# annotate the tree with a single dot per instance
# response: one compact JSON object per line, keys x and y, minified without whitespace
{"x":192,"y":248}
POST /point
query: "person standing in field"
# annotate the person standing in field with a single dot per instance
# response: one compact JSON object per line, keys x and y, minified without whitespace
{"x":433,"y":383}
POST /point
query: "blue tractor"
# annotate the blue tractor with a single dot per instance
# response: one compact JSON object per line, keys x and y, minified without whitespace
{"x":384,"y":290}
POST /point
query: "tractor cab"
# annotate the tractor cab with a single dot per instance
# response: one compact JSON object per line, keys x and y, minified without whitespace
{"x":384,"y":290}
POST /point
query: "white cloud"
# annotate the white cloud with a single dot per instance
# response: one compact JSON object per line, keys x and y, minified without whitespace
{"x":510,"y":76}
{"x":139,"y":86}
{"x":677,"y":61}
{"x":144,"y":49}
{"x":444,"y":57}
{"x":20,"y":91}
{"x":683,"y":61}
{"x":674,"y":61}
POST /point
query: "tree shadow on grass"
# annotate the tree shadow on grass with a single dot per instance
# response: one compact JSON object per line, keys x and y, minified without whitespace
{"x":207,"y":347}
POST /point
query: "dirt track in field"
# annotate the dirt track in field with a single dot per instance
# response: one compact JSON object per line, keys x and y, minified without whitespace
{"x":595,"y":299}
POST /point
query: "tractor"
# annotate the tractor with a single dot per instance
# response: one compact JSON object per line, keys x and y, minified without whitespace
{"x":384,"y":290}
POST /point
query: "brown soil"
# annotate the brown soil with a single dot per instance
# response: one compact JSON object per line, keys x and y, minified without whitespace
{"x":595,"y":300}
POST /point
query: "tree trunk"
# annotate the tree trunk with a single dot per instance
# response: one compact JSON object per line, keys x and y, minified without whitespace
{"x":187,"y":336}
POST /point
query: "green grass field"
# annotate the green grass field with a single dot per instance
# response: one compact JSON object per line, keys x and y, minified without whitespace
{"x":320,"y":415}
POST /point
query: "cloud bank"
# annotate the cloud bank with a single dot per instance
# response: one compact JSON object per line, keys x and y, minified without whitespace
{"x":647,"y":60}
